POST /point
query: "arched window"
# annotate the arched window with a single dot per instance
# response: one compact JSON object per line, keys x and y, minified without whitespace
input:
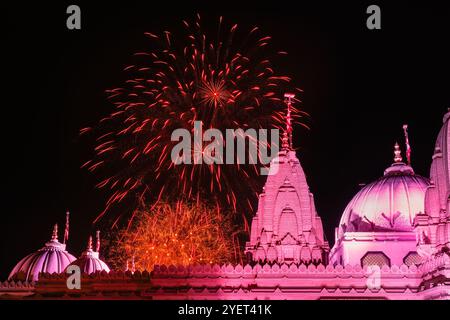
{"x":272,"y":254}
{"x":412,"y":258}
{"x":288,"y":223}
{"x":378,"y":258}
{"x":260,"y":254}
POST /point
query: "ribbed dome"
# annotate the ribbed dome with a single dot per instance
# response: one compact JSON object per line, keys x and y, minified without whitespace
{"x":50,"y":259}
{"x":90,"y":262}
{"x":387,"y":204}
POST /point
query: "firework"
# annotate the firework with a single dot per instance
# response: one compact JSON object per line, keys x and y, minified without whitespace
{"x":224,"y":83}
{"x":177,"y":234}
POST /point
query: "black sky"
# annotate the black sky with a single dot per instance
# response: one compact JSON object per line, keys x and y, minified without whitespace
{"x":359,"y":86}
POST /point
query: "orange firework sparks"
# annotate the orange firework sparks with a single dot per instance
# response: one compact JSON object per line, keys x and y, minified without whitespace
{"x":178,"y":234}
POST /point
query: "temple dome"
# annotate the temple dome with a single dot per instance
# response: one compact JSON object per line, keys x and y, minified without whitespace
{"x":52,"y":258}
{"x":378,"y":225}
{"x":387,"y":204}
{"x":90,"y":262}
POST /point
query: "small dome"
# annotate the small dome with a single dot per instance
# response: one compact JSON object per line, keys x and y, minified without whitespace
{"x":90,"y":262}
{"x":50,"y":259}
{"x":387,"y":204}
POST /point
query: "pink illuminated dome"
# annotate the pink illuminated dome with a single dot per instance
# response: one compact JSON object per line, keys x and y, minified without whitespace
{"x":387,"y":204}
{"x":378,"y":225}
{"x":90,"y":262}
{"x":52,"y":258}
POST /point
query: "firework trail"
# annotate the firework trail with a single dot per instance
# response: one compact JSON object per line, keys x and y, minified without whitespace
{"x":225,"y":83}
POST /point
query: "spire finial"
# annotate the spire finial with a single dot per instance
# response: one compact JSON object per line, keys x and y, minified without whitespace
{"x":55,"y":232}
{"x":288,"y":97}
{"x":397,"y":153}
{"x":97,"y":244}
{"x":446,"y":116}
{"x":66,"y":229}
{"x":89,"y":246}
{"x":133,"y":266}
{"x":285,"y":141}
{"x":408,"y":147}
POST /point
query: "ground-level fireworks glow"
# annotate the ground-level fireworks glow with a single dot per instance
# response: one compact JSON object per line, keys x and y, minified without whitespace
{"x":178,"y":234}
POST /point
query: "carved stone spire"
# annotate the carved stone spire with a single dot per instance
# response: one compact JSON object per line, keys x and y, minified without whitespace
{"x":89,"y":246}
{"x":97,"y":243}
{"x":397,"y":153}
{"x":408,"y":147}
{"x":285,"y":141}
{"x":288,"y":100}
{"x":286,"y":227}
{"x":55,"y":233}
{"x":66,"y":230}
{"x":133,"y":266}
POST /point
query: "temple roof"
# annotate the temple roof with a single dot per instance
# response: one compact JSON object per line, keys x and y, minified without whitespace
{"x":286,"y":226}
{"x":53,"y":257}
{"x":390,"y":203}
{"x":440,"y":171}
{"x":90,"y":261}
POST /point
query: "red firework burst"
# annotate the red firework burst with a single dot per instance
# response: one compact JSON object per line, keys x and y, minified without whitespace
{"x":223,"y":84}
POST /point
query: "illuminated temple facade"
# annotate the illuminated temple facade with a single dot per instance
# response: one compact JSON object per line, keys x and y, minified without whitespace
{"x":392,"y":242}
{"x":287,"y":228}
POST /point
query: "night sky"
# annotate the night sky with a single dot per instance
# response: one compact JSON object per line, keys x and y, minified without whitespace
{"x":360,"y":86}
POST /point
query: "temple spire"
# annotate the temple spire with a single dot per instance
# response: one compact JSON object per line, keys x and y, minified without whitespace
{"x":55,"y":233}
{"x":397,"y":153}
{"x":285,"y":141}
{"x":89,"y":246}
{"x":288,"y":100}
{"x":133,"y":266}
{"x":408,"y":147}
{"x":97,"y":244}
{"x":66,"y":230}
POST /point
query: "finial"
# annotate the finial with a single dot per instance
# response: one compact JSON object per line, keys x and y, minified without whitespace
{"x":288,"y":97}
{"x":55,"y":233}
{"x":66,"y":230}
{"x":285,"y":141}
{"x":89,"y":246}
{"x":397,"y":153}
{"x":408,"y":147}
{"x":97,"y":244}
{"x":446,"y":116}
{"x":133,"y":269}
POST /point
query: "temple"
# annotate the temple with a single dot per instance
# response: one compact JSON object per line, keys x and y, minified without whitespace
{"x":286,"y":227}
{"x":392,"y":242}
